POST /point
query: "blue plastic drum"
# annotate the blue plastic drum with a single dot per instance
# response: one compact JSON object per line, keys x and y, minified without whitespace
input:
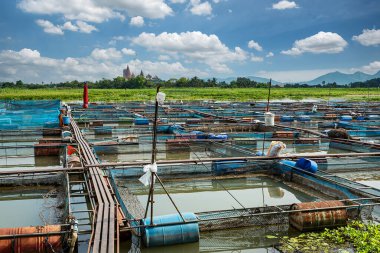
{"x":171,"y":234}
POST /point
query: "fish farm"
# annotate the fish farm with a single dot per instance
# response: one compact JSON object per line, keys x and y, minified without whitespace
{"x":175,"y":176}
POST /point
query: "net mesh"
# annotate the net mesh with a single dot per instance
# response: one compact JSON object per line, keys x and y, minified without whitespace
{"x":29,"y":114}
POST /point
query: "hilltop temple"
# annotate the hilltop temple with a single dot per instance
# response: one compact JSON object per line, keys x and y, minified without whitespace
{"x":128,"y":74}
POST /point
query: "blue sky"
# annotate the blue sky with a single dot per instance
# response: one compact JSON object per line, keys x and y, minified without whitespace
{"x":54,"y":40}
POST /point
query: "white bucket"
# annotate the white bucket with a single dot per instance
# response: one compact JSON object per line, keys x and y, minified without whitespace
{"x":269,"y":119}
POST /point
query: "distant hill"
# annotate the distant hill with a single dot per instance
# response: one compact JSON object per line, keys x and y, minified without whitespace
{"x":252,"y":78}
{"x":341,"y":78}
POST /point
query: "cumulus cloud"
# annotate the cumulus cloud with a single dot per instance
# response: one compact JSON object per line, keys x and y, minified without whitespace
{"x":369,"y":37}
{"x":164,"y":57}
{"x":322,"y":42}
{"x":69,"y":26}
{"x":137,"y":21}
{"x":200,"y":8}
{"x":270,"y":54}
{"x":49,"y":27}
{"x":371,"y":68}
{"x":28,"y":65}
{"x":84,"y":27}
{"x":115,"y":39}
{"x":128,"y":51}
{"x":195,"y":46}
{"x":106,"y":54}
{"x":284,"y":4}
{"x":80,"y":26}
{"x":97,"y":11}
{"x":253,"y":44}
{"x":178,"y":1}
{"x":255,"y":58}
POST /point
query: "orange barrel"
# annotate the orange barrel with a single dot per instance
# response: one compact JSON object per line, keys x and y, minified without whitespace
{"x":32,"y":244}
{"x":318,"y":219}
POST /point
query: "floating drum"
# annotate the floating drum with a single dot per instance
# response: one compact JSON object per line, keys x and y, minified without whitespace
{"x":303,"y":118}
{"x":286,"y":118}
{"x":318,"y":219}
{"x":307,"y":164}
{"x":35,"y":244}
{"x":346,"y":118}
{"x":170,"y":234}
{"x":66,"y":120}
{"x":141,"y":121}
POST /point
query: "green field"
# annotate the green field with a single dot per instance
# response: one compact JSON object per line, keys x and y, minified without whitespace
{"x":236,"y":94}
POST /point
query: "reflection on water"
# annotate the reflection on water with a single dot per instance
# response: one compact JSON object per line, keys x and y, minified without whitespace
{"x":27,"y":207}
{"x":191,"y":196}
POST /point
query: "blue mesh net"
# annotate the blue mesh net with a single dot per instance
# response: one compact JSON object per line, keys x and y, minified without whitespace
{"x":29,"y":114}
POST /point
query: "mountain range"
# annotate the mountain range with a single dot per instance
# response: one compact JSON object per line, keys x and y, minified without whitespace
{"x":338,"y":77}
{"x":341,"y":78}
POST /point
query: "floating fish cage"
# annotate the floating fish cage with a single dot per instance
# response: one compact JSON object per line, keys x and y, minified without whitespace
{"x":233,"y":176}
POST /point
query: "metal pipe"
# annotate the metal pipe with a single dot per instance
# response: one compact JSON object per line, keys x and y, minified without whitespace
{"x":247,"y":158}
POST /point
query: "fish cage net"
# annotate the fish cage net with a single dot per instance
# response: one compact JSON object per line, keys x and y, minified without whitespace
{"x":217,"y":168}
{"x":50,"y":187}
{"x":29,"y":114}
{"x":34,"y":178}
{"x":270,"y":216}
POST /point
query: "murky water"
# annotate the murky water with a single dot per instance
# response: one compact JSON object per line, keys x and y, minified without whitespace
{"x":191,"y":196}
{"x":27,"y":207}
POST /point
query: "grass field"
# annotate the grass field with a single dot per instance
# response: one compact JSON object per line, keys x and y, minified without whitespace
{"x":238,"y":94}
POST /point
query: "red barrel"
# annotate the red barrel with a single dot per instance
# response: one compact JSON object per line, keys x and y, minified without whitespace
{"x":85,"y":96}
{"x":35,"y":244}
{"x":318,"y":219}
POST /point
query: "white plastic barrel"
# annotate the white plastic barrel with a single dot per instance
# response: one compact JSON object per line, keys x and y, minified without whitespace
{"x":269,"y":119}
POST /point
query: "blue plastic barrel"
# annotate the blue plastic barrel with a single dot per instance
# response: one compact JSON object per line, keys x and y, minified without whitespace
{"x":141,"y":121}
{"x":286,"y":118}
{"x":66,"y":120}
{"x":170,"y":234}
{"x":346,"y":118}
{"x":304,"y":118}
{"x":307,"y":164}
{"x":228,"y":166}
{"x":218,"y":137}
{"x":66,"y":134}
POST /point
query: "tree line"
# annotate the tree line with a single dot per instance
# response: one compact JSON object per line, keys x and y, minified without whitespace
{"x":139,"y":82}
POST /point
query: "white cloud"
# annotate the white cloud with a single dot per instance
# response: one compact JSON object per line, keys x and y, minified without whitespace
{"x":28,"y":65}
{"x":69,"y":26}
{"x":80,"y":26}
{"x":270,"y":54}
{"x":178,"y":1}
{"x":284,"y":4}
{"x":49,"y":27}
{"x":199,"y":8}
{"x":195,"y":46}
{"x":84,"y":27}
{"x":253,"y":44}
{"x":128,"y":51}
{"x":369,"y":37}
{"x":97,"y":11}
{"x":256,"y":58}
{"x":115,"y":39}
{"x":137,"y":21}
{"x":106,"y":54}
{"x":164,"y":57}
{"x":322,"y":42}
{"x":371,"y":68}
{"x":160,"y":68}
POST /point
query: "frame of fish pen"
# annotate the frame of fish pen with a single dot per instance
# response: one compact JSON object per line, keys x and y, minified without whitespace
{"x":351,"y":203}
{"x":54,"y":235}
